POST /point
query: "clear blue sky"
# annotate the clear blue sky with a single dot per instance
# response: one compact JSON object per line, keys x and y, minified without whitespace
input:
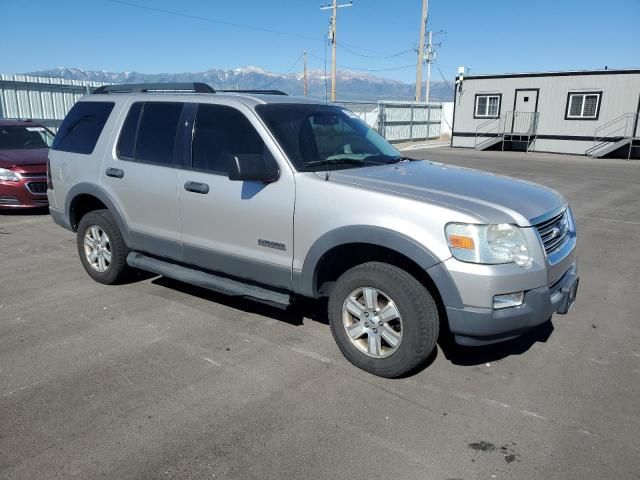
{"x":490,"y":36}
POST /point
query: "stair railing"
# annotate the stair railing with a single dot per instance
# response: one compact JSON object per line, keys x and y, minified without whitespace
{"x":621,"y":127}
{"x":489,"y":130}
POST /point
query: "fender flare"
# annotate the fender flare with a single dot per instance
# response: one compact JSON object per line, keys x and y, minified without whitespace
{"x":99,"y":193}
{"x":304,"y":282}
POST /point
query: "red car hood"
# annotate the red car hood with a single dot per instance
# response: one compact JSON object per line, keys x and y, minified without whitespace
{"x":27,"y":156}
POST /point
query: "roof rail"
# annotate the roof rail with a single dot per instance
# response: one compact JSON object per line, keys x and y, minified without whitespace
{"x":260,"y":92}
{"x":193,"y":87}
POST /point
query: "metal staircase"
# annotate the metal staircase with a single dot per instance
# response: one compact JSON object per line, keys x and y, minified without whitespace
{"x":515,"y":128}
{"x":489,"y":133}
{"x":615,"y":134}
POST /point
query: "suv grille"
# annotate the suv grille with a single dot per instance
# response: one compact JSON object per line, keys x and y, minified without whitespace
{"x":554,"y":232}
{"x":37,"y":187}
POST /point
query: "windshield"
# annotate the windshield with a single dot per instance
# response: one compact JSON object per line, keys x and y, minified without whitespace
{"x":326,"y":137}
{"x":20,"y":137}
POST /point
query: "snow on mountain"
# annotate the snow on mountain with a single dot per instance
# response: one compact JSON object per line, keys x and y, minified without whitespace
{"x":351,"y":85}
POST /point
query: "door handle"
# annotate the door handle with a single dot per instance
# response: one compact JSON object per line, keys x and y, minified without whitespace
{"x":196,"y":187}
{"x":114,"y":172}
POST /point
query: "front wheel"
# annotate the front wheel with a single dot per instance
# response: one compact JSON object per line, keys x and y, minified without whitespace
{"x":383,"y":320}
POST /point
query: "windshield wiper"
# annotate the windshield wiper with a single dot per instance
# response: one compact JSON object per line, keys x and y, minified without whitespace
{"x":338,"y":161}
{"x":401,"y":158}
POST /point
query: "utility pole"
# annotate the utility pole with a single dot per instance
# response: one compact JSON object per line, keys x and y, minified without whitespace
{"x":423,"y":26}
{"x":333,"y":27}
{"x":430,"y":57}
{"x":305,"y":73}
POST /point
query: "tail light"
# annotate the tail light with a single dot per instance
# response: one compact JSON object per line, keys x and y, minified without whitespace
{"x":49,"y":180}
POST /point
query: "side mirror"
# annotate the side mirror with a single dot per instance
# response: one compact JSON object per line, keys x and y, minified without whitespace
{"x":252,"y":167}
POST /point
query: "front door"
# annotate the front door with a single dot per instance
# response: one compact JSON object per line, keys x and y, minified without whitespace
{"x":524,"y":112}
{"x":242,"y":229}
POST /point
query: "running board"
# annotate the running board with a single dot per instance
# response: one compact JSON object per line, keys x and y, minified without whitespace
{"x":205,"y":280}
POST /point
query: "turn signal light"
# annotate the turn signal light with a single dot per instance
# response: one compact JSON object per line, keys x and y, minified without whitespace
{"x":459,"y":241}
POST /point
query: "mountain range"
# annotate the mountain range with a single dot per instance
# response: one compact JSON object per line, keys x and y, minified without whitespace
{"x":351,"y":86}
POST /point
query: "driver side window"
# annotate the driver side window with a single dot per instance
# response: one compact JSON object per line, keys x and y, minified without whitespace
{"x":220,"y":133}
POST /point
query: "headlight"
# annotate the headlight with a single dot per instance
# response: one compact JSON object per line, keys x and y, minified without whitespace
{"x":8,"y":175}
{"x":488,"y":244}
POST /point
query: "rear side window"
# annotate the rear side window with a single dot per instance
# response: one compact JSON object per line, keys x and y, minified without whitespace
{"x":221,"y":133}
{"x":82,"y":127}
{"x":149,"y":132}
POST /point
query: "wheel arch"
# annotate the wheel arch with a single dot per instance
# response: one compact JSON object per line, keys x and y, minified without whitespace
{"x":86,"y":197}
{"x":338,"y":250}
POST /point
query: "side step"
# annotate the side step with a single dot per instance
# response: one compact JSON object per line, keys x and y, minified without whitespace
{"x":206,"y":280}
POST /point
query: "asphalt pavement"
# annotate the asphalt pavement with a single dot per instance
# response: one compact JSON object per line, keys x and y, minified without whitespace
{"x":161,"y":380}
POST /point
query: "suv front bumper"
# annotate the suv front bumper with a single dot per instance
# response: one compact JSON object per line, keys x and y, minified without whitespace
{"x":482,"y":326}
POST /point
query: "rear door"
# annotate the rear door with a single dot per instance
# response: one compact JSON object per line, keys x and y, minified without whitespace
{"x":141,"y":175}
{"x":243,"y":229}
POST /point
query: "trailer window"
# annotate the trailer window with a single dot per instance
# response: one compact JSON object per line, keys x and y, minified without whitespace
{"x":583,"y":106}
{"x":487,"y":106}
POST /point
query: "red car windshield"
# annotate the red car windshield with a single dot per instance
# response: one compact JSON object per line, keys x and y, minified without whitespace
{"x":21,"y":137}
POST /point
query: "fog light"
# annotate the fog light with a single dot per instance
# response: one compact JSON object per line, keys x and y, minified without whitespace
{"x":508,"y":300}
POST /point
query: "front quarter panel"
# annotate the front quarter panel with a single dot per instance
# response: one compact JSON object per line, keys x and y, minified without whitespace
{"x":330,"y":213}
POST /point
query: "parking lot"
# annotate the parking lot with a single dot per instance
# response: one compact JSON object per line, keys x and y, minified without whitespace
{"x":157,"y":379}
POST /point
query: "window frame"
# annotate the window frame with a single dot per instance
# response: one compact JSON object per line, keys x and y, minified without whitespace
{"x":178,"y":156}
{"x":584,"y":93}
{"x":488,"y":95}
{"x":188,"y":147}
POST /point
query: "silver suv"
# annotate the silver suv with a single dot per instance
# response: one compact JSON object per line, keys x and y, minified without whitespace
{"x":262,"y":195}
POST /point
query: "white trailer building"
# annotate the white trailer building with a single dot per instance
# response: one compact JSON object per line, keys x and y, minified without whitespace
{"x":592,"y":113}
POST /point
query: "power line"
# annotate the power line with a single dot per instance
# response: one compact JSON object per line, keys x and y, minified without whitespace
{"x":348,"y":49}
{"x":281,"y":75}
{"x":366,"y":69}
{"x":212,"y":20}
{"x":442,"y":74}
{"x":413,"y":65}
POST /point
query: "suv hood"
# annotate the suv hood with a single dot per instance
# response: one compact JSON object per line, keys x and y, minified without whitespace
{"x":25,"y":156}
{"x":493,"y":198}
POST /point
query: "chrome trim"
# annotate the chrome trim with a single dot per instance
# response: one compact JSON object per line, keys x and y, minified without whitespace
{"x":28,"y":187}
{"x":569,"y":244}
{"x":549,"y":215}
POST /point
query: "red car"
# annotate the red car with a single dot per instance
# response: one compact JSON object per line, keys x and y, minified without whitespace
{"x":24,"y":147}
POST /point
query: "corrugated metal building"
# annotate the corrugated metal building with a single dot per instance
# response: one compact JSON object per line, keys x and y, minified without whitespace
{"x":582,"y":112}
{"x":46,"y":100}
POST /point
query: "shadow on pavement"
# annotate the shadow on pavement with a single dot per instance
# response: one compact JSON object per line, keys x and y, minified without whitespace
{"x":294,"y":314}
{"x":316,"y":310}
{"x":24,"y":211}
{"x":467,"y":356}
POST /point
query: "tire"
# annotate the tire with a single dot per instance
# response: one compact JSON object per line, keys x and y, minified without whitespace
{"x":113,"y":268}
{"x":396,"y":292}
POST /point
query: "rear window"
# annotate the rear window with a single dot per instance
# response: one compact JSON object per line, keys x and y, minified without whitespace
{"x":149,"y":132}
{"x":82,"y":127}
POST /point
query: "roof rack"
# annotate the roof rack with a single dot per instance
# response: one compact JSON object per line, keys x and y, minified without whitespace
{"x":260,"y":92}
{"x":193,"y":87}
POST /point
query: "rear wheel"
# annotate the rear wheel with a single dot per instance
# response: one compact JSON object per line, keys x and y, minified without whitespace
{"x":101,"y":247}
{"x":383,"y":320}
